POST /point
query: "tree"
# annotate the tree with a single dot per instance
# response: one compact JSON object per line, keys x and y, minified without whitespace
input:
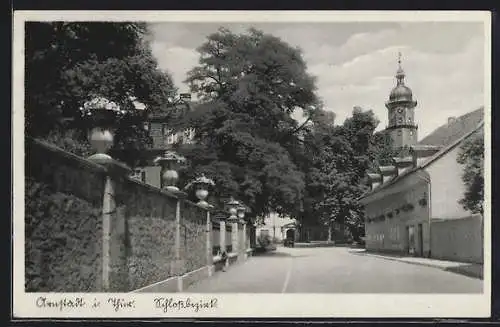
{"x":341,"y":155}
{"x":471,"y":156}
{"x":248,"y":86}
{"x":381,"y":150}
{"x":69,"y":63}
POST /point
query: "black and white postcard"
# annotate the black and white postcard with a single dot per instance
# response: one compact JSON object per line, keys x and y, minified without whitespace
{"x":251,"y":164}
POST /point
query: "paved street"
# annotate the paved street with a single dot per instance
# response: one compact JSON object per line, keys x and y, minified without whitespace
{"x":333,"y":270}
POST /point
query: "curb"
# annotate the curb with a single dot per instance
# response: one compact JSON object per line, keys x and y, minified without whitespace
{"x":457,"y":269}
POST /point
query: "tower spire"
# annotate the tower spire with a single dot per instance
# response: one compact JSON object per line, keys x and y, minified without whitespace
{"x":400,"y":74}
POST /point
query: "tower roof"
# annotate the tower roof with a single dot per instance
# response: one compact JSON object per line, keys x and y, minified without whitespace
{"x":400,"y":92}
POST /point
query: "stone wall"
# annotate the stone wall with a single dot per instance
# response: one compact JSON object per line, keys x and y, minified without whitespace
{"x":458,"y":239}
{"x":193,"y":236}
{"x":63,"y":228}
{"x":73,"y":245}
{"x":149,"y":216}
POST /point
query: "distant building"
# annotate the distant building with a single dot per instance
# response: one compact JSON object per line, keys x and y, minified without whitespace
{"x":164,"y":138}
{"x":277,"y":227}
{"x":413,"y":205}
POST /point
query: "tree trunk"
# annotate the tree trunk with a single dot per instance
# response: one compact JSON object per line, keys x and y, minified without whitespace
{"x":329,"y":233}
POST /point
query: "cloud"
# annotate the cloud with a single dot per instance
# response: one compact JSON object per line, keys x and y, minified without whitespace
{"x":355,"y":63}
{"x":444,"y":84}
{"x":176,"y":60}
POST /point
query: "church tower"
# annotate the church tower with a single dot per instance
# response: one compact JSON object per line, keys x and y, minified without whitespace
{"x":401,"y":110}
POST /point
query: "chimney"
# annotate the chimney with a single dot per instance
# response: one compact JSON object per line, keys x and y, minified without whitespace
{"x":451,"y":120}
{"x":387,"y":172}
{"x":402,"y":164}
{"x":422,"y":152}
{"x":375,"y":179}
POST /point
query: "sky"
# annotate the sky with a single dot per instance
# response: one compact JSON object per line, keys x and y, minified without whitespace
{"x":355,"y":62}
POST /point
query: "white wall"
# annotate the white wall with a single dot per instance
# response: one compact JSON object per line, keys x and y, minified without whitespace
{"x":458,"y":239}
{"x":273,"y":224}
{"x":447,"y":187}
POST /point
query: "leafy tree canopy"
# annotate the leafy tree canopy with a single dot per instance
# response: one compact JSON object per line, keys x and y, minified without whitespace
{"x":69,"y":63}
{"x":249,"y":85}
{"x":471,"y":156}
{"x":340,"y":157}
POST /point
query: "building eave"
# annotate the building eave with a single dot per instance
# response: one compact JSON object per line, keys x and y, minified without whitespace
{"x":422,"y":165}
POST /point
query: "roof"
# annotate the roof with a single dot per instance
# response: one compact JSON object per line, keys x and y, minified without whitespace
{"x":450,"y":132}
{"x":447,"y":136}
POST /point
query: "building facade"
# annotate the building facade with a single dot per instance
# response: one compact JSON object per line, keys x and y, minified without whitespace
{"x":413,"y":206}
{"x":277,"y":227}
{"x":164,"y":137}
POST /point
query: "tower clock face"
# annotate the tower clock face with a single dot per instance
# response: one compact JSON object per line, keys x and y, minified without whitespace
{"x":400,"y":110}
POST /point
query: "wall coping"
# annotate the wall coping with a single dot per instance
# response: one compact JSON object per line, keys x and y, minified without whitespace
{"x":154,"y":189}
{"x":68,"y":156}
{"x":87,"y":164}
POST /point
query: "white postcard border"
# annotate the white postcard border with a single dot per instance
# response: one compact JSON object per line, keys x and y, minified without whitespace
{"x":241,"y":305}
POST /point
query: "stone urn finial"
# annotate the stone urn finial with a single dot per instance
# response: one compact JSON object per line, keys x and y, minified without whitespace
{"x":232,"y":207}
{"x":170,"y":163}
{"x":101,"y":115}
{"x":202,"y":185}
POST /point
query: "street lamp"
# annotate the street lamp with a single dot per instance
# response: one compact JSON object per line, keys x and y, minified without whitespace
{"x":170,"y":163}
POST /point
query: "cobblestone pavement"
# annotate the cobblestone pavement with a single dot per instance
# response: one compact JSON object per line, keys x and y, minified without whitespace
{"x":333,"y":270}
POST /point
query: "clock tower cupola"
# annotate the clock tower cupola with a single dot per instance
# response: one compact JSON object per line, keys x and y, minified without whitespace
{"x":401,"y":110}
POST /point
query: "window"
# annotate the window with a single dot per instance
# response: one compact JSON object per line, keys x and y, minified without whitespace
{"x":411,"y":133}
{"x":155,"y":129}
{"x":399,"y":132}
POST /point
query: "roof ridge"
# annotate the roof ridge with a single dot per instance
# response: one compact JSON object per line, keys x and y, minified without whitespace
{"x":448,"y":132}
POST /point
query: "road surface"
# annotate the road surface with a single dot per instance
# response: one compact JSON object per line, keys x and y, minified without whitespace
{"x":332,"y":270}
